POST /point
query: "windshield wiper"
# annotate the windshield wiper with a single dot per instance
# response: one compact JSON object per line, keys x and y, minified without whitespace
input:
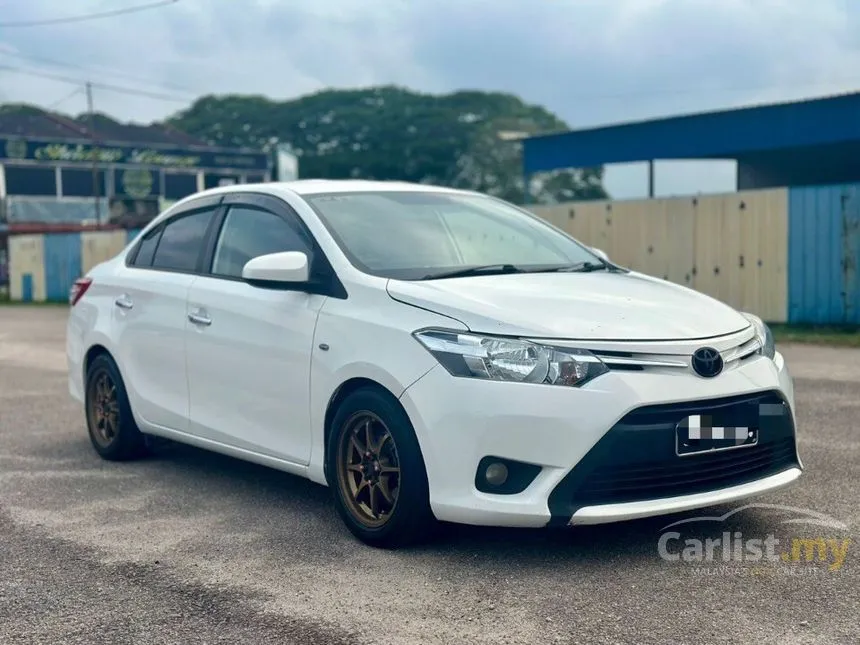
{"x":579,"y":267}
{"x":487,"y":269}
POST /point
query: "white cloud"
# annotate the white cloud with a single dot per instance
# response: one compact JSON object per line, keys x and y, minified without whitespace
{"x":590,"y":61}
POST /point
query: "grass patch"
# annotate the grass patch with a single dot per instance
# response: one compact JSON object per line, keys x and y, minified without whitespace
{"x":833,"y":335}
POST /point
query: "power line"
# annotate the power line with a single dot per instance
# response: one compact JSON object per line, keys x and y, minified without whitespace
{"x":59,"y":102}
{"x":88,"y":16}
{"x":100,"y":70}
{"x":91,"y":116}
{"x":102,"y":86}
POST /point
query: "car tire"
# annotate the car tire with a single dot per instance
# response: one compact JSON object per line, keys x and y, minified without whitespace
{"x":110,"y":423}
{"x":366,"y":471}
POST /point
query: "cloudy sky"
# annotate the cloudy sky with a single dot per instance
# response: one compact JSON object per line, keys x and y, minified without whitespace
{"x":590,"y":61}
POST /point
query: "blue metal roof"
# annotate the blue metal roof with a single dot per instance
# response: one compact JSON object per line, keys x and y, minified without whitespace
{"x":728,"y":134}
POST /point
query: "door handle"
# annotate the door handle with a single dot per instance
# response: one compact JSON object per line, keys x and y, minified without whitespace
{"x":199,"y":319}
{"x":124,"y":302}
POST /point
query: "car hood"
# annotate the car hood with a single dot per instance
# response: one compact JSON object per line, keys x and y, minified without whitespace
{"x":598,"y":305}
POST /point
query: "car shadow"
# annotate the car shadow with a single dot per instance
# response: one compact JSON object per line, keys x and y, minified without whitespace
{"x":262,"y":488}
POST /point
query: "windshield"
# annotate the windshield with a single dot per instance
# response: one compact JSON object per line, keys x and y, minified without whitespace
{"x":415,"y":235}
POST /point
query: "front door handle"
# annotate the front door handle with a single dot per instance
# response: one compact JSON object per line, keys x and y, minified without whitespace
{"x":200,"y":319}
{"x":124,"y":302}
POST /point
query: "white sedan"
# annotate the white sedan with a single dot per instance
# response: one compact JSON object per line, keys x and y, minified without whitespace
{"x":429,"y":354}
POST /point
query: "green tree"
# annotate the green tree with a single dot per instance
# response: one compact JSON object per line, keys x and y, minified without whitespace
{"x":466,"y":139}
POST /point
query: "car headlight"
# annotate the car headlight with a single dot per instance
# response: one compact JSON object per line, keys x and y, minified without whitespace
{"x":507,"y":359}
{"x":764,"y":336}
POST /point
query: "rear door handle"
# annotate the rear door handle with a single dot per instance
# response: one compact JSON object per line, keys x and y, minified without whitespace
{"x":199,"y":319}
{"x":124,"y":302}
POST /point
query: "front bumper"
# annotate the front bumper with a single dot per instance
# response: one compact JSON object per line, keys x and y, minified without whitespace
{"x":574,"y":436}
{"x":606,"y":513}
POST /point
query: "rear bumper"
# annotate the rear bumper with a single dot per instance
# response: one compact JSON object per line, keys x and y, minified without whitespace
{"x":75,"y":351}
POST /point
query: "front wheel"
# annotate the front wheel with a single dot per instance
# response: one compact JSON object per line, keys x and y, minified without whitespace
{"x":376,"y":471}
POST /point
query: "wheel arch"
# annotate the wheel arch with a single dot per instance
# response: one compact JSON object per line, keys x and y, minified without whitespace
{"x":412,"y":517}
{"x":339,"y":396}
{"x":92,"y":353}
{"x":100,"y":348}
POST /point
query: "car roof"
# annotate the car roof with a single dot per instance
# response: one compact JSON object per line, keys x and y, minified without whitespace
{"x":318,"y":186}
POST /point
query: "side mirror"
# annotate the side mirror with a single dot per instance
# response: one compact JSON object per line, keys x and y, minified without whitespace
{"x":601,"y":254}
{"x":277,"y":269}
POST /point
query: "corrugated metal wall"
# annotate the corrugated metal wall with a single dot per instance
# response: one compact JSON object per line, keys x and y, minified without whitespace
{"x":44,"y":266}
{"x":733,"y":247}
{"x":62,"y":264}
{"x":824,"y":250}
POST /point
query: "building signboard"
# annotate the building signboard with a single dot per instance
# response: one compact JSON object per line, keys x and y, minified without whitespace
{"x":19,"y":148}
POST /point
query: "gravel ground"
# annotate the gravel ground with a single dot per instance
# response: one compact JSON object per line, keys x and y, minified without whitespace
{"x":191,"y":547}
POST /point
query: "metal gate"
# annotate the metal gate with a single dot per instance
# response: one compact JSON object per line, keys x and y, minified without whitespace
{"x":823,"y":255}
{"x":62,"y":264}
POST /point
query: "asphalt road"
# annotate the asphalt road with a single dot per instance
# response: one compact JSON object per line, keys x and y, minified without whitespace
{"x":190,"y":547}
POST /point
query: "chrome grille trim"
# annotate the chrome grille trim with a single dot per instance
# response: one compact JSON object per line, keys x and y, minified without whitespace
{"x":741,"y":352}
{"x":644,"y":355}
{"x":654,"y":347}
{"x":641,"y":361}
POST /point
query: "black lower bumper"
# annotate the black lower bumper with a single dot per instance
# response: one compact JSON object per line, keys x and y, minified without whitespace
{"x":637,"y":460}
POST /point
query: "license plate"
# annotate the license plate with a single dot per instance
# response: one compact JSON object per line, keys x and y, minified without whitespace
{"x":698,"y":434}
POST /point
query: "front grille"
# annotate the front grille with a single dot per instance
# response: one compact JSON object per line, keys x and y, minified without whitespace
{"x":636,"y":459}
{"x":692,"y":474}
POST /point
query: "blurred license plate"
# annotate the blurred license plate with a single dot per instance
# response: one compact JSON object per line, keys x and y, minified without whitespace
{"x":698,"y":434}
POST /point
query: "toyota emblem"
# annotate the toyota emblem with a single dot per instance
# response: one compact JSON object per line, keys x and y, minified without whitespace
{"x":707,"y":362}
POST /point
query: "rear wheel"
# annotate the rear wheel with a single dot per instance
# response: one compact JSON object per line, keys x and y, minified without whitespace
{"x":377,"y":472}
{"x":111,"y":426}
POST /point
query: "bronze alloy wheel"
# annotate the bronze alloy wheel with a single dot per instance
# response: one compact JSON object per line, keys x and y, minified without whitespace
{"x":103,"y":408}
{"x":368,"y":469}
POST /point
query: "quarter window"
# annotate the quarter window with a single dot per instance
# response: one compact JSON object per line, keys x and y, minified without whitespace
{"x":182,"y":241}
{"x":146,"y":249}
{"x":248,"y":233}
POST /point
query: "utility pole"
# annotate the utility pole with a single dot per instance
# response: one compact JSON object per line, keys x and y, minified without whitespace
{"x":92,"y":127}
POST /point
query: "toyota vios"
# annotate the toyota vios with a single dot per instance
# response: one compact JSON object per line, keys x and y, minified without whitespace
{"x":429,"y":354}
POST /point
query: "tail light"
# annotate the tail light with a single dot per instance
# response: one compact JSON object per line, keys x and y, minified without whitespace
{"x":79,"y":288}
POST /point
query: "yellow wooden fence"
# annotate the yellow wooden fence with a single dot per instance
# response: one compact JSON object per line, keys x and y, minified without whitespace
{"x":733,"y":247}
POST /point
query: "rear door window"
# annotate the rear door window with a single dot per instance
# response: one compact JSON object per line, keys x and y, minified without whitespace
{"x":182,"y":242}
